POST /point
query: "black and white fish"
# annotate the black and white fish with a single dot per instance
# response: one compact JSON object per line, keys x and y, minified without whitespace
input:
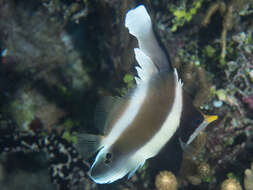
{"x":142,"y":123}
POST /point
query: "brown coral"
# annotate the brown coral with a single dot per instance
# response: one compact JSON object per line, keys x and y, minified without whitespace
{"x":198,"y":144}
{"x":231,"y":184}
{"x":226,"y":11}
{"x":192,"y":171}
{"x":248,"y":178}
{"x":166,"y":181}
{"x":204,"y":170}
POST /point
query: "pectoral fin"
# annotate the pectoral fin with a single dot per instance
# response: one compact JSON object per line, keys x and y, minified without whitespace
{"x":88,"y":144}
{"x":132,"y":172}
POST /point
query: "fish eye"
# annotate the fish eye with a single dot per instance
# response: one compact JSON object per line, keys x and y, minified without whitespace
{"x":108,"y":157}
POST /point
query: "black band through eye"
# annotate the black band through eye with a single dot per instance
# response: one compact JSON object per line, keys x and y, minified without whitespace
{"x":107,"y":161}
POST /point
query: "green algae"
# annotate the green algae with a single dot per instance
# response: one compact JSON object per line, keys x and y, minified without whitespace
{"x":129,"y":80}
{"x":182,"y":16}
{"x":70,"y":137}
{"x":209,"y":51}
{"x":23,"y":111}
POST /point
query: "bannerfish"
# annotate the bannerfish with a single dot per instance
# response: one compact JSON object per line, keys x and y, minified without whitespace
{"x":140,"y":124}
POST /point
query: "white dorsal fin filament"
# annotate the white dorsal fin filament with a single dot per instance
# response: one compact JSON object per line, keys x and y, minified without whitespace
{"x":146,"y":67}
{"x":138,"y":21}
{"x":139,"y":25}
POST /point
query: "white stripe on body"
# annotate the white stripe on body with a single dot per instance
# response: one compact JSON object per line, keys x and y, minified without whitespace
{"x":167,"y":130}
{"x":135,"y":103}
{"x":146,"y":70}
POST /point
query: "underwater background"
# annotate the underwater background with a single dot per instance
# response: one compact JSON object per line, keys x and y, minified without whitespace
{"x":59,"y":58}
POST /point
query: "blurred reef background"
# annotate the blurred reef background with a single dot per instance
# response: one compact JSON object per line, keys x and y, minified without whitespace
{"x":58,"y":58}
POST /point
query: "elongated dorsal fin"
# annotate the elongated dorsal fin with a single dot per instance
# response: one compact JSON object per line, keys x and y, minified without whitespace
{"x":139,"y":25}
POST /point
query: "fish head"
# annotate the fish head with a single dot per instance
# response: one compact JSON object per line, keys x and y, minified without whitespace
{"x":109,"y":166}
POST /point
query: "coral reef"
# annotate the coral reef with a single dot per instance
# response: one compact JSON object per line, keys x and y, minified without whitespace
{"x":74,"y":11}
{"x":40,"y":49}
{"x":204,"y":170}
{"x":195,"y":169}
{"x":67,"y":168}
{"x":231,"y":184}
{"x":248,"y":178}
{"x":28,"y":105}
{"x":166,"y":181}
{"x":182,"y":15}
{"x":225,"y":145}
{"x":59,"y":58}
{"x":248,"y":100}
{"x":227,"y":10}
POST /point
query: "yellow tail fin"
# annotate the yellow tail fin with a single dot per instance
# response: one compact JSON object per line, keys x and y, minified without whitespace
{"x":210,"y":118}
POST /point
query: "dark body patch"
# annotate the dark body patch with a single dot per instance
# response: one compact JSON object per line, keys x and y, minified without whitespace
{"x":190,"y":120}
